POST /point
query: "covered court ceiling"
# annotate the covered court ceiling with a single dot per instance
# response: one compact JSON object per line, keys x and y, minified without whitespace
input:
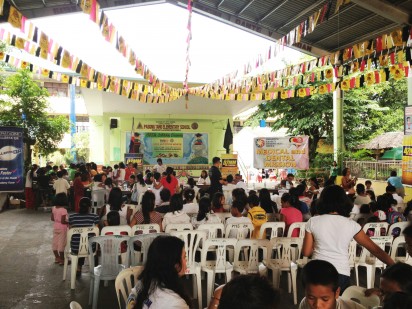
{"x":357,"y":21}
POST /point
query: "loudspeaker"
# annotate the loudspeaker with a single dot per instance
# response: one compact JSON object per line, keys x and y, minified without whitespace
{"x":113,"y":123}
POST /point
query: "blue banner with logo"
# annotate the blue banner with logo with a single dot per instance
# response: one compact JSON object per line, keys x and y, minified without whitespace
{"x":11,"y":159}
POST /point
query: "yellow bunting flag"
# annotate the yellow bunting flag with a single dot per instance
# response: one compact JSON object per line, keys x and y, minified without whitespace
{"x":14,"y":17}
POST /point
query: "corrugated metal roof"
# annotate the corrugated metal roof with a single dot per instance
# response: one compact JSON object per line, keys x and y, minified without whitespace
{"x":271,"y":19}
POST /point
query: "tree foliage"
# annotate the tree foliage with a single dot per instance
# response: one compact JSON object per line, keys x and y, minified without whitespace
{"x":367,"y":112}
{"x":25,"y":105}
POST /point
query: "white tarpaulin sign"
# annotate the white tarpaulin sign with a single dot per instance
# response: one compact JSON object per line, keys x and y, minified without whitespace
{"x":281,"y":152}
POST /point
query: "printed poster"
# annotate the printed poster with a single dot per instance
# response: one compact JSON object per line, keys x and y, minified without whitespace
{"x":134,"y":158}
{"x":11,"y":159}
{"x":281,"y":152}
{"x":229,"y":165}
{"x":408,"y":120}
{"x":407,"y":160}
{"x":171,"y":147}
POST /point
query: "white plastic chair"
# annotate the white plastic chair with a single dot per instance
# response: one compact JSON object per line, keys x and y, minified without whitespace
{"x":117,"y":230}
{"x":139,"y":246}
{"x":124,"y":283}
{"x":352,"y":253}
{"x":240,"y":230}
{"x":145,"y":228}
{"x":250,"y":249}
{"x":277,"y":229}
{"x":75,"y":305}
{"x":219,"y":265}
{"x":192,"y":240}
{"x":98,"y":199}
{"x":109,"y":267}
{"x":399,"y":242}
{"x":285,"y":248}
{"x":297,"y":225}
{"x":223,"y":216}
{"x":376,"y":227}
{"x":215,"y":230}
{"x":178,"y":227}
{"x":398,"y":225}
{"x":83,"y":233}
{"x":357,"y":294}
{"x":371,"y":262}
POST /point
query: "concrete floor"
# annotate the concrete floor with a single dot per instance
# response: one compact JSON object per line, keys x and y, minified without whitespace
{"x":30,"y":279}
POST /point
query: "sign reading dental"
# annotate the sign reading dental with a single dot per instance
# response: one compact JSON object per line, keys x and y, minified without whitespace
{"x":281,"y":152}
{"x":11,"y":159}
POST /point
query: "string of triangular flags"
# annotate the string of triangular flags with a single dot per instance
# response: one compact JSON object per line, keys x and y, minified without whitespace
{"x":113,"y":36}
{"x":124,"y":88}
{"x":37,"y":43}
{"x":293,"y":37}
{"x":385,"y":50}
{"x":279,"y":79}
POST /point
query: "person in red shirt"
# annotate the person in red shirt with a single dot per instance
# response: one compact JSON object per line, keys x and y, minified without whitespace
{"x":170,"y":181}
{"x":129,"y":171}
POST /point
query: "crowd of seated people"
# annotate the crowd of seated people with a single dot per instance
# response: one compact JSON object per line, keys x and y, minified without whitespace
{"x":334,"y":214}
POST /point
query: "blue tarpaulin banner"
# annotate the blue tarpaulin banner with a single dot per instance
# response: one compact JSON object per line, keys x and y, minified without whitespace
{"x":11,"y":159}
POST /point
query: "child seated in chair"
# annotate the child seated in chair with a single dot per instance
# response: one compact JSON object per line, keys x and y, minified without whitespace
{"x":395,"y":278}
{"x":321,"y":284}
{"x":256,"y":214}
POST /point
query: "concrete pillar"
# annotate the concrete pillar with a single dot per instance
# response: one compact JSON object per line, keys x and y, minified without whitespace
{"x":338,"y":145}
{"x":72,"y":93}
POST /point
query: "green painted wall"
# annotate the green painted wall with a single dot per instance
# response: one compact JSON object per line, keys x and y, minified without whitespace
{"x":109,"y":145}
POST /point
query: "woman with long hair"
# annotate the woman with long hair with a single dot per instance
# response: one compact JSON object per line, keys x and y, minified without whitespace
{"x":147,"y":215}
{"x":205,"y":214}
{"x":138,"y":188}
{"x":204,"y":178}
{"x":170,"y":181}
{"x":115,"y":203}
{"x":159,"y":285}
{"x":266,"y":202}
{"x":176,"y":214}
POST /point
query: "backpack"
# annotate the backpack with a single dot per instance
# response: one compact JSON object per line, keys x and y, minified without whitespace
{"x":258,"y":216}
{"x":394,"y":217}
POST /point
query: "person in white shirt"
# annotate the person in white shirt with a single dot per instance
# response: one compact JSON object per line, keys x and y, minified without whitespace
{"x":157,"y":187}
{"x":189,"y":206}
{"x":361,"y":197}
{"x":160,"y":287}
{"x":400,"y":204}
{"x":159,"y":167}
{"x":321,"y":284}
{"x":236,"y":210}
{"x":203,"y":179}
{"x":176,"y":215}
{"x":205,"y":215}
{"x":328,"y":235}
{"x":139,"y":188}
{"x":61,"y":185}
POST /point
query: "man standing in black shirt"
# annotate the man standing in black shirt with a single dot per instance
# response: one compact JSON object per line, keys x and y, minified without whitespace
{"x":215,"y":177}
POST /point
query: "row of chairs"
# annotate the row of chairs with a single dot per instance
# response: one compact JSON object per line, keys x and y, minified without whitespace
{"x":250,"y":256}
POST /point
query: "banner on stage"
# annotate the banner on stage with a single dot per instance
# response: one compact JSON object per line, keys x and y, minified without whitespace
{"x":134,"y":158}
{"x":171,"y":147}
{"x":229,"y":165}
{"x":281,"y":152}
{"x":11,"y":159}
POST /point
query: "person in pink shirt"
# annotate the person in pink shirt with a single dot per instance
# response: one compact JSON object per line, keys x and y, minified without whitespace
{"x":290,"y":212}
{"x":59,"y":217}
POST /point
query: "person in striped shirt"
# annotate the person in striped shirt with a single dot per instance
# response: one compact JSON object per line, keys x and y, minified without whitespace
{"x":82,"y":219}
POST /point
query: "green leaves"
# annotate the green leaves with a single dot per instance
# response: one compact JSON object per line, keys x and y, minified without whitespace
{"x":25,"y":105}
{"x":367,"y":112}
